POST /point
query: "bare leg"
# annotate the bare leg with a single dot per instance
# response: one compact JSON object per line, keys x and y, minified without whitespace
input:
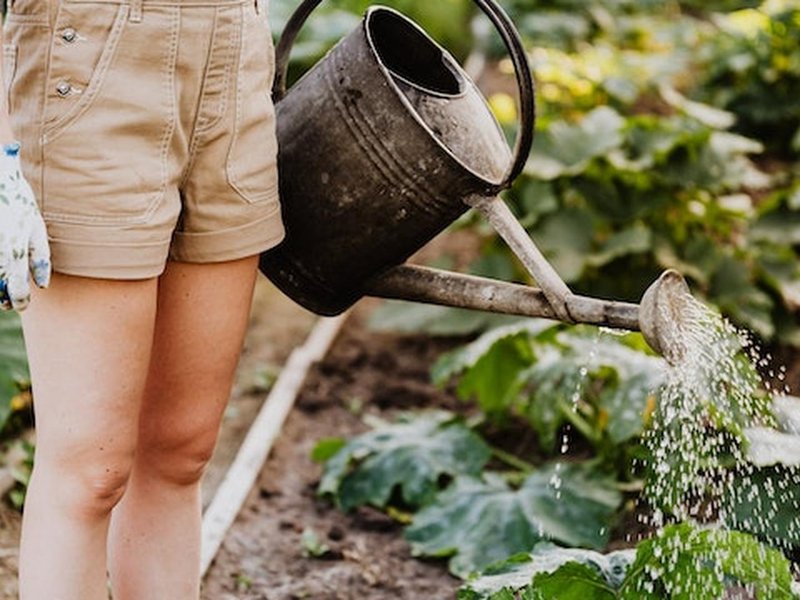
{"x":154,"y":543}
{"x":88,"y":344}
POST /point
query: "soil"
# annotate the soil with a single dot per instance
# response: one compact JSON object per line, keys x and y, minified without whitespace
{"x":364,"y":373}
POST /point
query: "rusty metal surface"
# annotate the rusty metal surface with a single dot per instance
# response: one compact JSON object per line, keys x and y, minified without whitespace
{"x":435,"y":286}
{"x":365,"y":180}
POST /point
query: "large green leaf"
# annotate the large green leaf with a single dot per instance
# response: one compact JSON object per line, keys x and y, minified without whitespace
{"x":566,"y":149}
{"x":478,"y":521}
{"x":684,"y":562}
{"x":612,"y":377}
{"x":13,"y":362}
{"x":555,"y":573}
{"x":478,"y":357}
{"x":765,"y":502}
{"x":412,"y":455}
{"x":550,"y":375}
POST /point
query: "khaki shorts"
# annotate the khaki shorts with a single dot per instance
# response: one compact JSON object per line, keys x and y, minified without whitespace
{"x":148,"y":129}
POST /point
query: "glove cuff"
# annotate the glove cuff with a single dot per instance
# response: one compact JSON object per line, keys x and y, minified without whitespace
{"x":9,"y":156}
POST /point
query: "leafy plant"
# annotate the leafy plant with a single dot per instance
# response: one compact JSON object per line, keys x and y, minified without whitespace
{"x":752,"y":68}
{"x":413,"y":456}
{"x":551,"y":376}
{"x":681,"y":562}
{"x":479,"y":520}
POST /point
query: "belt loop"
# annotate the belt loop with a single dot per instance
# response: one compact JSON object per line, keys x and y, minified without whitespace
{"x":136,"y":11}
{"x":256,"y":5}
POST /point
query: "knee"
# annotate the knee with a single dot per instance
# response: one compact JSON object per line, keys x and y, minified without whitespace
{"x":178,"y":458}
{"x":89,"y":488}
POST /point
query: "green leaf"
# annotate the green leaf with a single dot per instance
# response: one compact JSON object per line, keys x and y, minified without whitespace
{"x":412,"y":455}
{"x":312,"y":545}
{"x":457,"y":361}
{"x":565,"y":238}
{"x":633,"y":240}
{"x":738,"y":296}
{"x":684,"y":562}
{"x":765,"y":503}
{"x":705,"y":113}
{"x":602,"y":371}
{"x":13,"y":362}
{"x":572,"y":581}
{"x":566,"y":149}
{"x":552,"y":570}
{"x":326,"y":448}
{"x":780,"y":226}
{"x":478,"y":521}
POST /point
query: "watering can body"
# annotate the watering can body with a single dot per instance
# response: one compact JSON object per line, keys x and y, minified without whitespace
{"x":379,"y":144}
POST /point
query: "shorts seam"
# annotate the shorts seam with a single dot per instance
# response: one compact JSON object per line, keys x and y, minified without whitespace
{"x":220,"y":232}
{"x":169,"y":86}
{"x":230,"y":167}
{"x":74,"y":242}
{"x":225,"y":82}
{"x":199,"y":131}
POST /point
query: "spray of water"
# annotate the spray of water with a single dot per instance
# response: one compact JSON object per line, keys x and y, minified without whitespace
{"x":698,"y":466}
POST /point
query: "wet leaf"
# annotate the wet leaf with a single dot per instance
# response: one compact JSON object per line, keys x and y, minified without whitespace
{"x":685,"y":562}
{"x":551,"y":572}
{"x":766,"y":502}
{"x":412,"y":456}
{"x":478,"y":521}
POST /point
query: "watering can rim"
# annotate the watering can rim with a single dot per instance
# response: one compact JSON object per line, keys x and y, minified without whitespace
{"x":450,"y":62}
{"x":511,"y":38}
{"x":459,"y":72}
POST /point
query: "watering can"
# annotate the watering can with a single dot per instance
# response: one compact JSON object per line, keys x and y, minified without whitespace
{"x":383,"y":144}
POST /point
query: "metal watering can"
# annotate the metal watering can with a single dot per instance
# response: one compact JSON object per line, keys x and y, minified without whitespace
{"x":383,"y":144}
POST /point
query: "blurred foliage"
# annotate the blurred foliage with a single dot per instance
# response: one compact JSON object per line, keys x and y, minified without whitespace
{"x":14,"y":377}
{"x":752,"y":68}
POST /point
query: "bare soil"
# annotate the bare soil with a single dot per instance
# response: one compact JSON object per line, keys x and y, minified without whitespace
{"x":263,"y":555}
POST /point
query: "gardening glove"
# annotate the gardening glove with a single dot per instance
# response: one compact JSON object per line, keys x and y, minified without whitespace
{"x":23,"y":236}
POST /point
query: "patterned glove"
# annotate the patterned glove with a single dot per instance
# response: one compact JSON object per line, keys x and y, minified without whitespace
{"x":23,"y":236}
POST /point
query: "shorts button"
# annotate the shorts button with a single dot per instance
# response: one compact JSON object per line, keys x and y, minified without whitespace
{"x":63,"y":88}
{"x":69,"y":34}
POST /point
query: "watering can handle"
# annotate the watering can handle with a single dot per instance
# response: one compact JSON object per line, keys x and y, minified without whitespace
{"x":508,"y":32}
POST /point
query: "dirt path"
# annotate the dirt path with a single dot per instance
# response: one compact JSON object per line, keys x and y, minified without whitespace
{"x":262,"y":556}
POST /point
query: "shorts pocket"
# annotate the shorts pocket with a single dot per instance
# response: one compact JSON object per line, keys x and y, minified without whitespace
{"x":84,"y":42}
{"x":9,"y":69}
{"x":252,"y":158}
{"x":105,"y":157}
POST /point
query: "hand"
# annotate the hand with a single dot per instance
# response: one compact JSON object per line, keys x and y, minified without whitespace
{"x":23,"y":236}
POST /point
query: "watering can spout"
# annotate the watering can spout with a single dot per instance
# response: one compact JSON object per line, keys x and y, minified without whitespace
{"x":663,"y":315}
{"x":659,"y":316}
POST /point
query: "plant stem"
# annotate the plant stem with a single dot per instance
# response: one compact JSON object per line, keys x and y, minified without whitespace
{"x":512,"y":460}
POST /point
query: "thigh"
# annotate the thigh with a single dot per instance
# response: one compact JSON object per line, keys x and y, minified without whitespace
{"x":88,"y":343}
{"x":203,"y":312}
